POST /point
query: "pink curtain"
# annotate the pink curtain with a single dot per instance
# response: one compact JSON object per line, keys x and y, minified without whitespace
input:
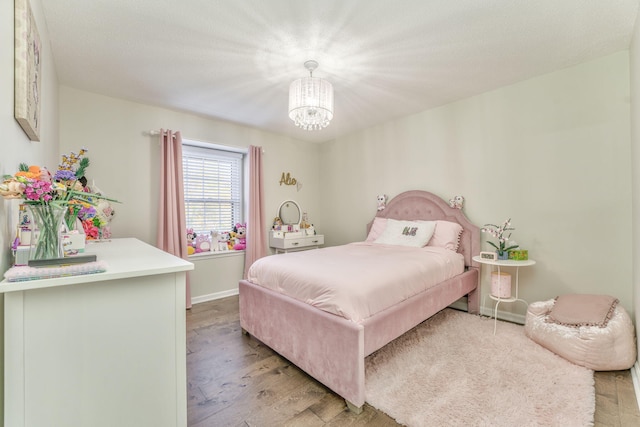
{"x":256,"y":234}
{"x":172,"y":224}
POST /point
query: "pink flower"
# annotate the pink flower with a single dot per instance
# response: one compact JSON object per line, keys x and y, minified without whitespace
{"x":90,"y":230}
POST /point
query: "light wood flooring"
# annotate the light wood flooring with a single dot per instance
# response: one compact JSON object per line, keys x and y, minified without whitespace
{"x":234,"y":380}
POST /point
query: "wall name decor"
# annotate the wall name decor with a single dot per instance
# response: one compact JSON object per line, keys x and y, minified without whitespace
{"x":287,"y":179}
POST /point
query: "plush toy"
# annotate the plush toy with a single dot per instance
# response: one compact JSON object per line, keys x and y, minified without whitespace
{"x":191,"y":235}
{"x":214,"y":237}
{"x":223,"y":242}
{"x":232,"y":240}
{"x":457,"y":202}
{"x":305,"y":221}
{"x":382,"y":202}
{"x":277,"y":223}
{"x":241,"y":237}
{"x":202,"y":244}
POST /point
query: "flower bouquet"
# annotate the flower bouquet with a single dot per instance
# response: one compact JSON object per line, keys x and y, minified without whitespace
{"x":504,"y":244}
{"x":53,"y":201}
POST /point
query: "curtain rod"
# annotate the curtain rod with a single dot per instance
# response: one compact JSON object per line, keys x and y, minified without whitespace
{"x":206,"y":144}
{"x":155,"y":133}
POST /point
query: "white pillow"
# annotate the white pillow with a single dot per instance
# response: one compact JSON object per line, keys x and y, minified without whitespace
{"x":407,"y":233}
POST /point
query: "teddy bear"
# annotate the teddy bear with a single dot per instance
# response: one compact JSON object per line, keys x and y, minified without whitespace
{"x":241,"y":237}
{"x":382,"y":202}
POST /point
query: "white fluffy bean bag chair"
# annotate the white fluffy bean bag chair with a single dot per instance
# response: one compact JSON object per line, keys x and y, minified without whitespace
{"x":589,"y":330}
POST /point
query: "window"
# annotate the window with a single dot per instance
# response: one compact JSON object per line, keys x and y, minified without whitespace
{"x":212,"y":188}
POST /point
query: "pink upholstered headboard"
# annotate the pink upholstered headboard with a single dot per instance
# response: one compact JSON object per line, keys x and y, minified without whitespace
{"x":422,"y":205}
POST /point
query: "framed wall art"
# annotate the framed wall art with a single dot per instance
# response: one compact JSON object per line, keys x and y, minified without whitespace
{"x":27,"y":78}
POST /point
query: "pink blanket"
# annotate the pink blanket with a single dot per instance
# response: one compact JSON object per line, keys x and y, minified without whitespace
{"x":357,"y":280}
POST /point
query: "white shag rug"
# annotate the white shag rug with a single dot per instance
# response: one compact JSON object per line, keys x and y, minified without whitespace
{"x":452,"y":371}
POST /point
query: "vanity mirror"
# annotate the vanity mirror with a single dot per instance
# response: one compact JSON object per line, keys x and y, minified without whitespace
{"x":290,"y":213}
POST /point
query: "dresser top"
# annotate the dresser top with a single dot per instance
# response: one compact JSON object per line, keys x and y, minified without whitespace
{"x":125,"y":258}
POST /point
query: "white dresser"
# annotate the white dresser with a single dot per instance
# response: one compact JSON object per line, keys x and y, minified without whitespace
{"x":286,"y":244}
{"x":105,"y":349}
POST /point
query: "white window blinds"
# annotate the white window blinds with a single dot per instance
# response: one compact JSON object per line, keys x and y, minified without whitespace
{"x":212,"y":188}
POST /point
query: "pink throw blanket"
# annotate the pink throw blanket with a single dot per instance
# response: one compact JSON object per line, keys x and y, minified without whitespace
{"x":357,"y":280}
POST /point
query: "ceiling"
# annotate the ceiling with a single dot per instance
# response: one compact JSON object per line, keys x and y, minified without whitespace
{"x":234,"y":59}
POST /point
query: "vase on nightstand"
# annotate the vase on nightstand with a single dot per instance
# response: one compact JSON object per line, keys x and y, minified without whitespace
{"x":502,"y":256}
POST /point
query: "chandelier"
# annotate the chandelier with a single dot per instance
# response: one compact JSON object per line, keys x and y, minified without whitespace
{"x":311,"y":101}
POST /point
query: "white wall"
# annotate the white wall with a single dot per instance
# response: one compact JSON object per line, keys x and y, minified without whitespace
{"x":125,"y":164}
{"x":14,"y":144}
{"x":635,"y":151}
{"x":552,"y":153}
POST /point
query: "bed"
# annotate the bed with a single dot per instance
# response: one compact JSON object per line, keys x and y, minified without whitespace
{"x":331,"y":346}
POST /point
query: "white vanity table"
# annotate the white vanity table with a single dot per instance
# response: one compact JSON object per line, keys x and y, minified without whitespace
{"x":105,"y":349}
{"x":292,"y":235}
{"x":291,"y":244}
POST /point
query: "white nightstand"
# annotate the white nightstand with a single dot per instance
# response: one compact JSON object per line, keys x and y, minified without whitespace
{"x":293,"y":244}
{"x":501,"y":264}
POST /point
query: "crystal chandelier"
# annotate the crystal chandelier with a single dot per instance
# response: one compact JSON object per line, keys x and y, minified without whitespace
{"x":311,"y":100}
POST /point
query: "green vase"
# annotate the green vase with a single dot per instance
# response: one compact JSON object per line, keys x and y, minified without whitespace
{"x":46,"y":223}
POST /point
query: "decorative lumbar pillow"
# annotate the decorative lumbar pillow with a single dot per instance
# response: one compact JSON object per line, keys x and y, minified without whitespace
{"x":407,"y":233}
{"x":446,"y":235}
{"x":583,"y":310}
{"x":378,"y":226}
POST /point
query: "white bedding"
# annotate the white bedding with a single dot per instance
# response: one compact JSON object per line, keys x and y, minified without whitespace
{"x":356,"y":280}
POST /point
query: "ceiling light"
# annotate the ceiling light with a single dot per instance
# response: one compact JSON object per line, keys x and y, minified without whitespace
{"x":311,"y":100}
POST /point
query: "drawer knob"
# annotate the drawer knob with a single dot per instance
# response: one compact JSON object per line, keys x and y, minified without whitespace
{"x":295,"y":243}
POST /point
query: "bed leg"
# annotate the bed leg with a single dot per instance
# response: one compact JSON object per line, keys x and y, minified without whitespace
{"x":353,"y":408}
{"x":244,"y":332}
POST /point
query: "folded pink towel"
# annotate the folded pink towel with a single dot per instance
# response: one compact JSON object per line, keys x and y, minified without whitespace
{"x":583,"y":310}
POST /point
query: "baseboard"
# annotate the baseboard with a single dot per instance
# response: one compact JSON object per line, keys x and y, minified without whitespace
{"x":635,"y":376}
{"x":214,"y":296}
{"x":503,"y":315}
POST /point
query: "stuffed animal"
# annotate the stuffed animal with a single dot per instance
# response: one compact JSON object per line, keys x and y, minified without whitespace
{"x":277,"y":223}
{"x":215,"y":236}
{"x":382,"y":202}
{"x":305,"y":221}
{"x":223,"y":242}
{"x":231,"y":242}
{"x":191,"y":235}
{"x":457,"y":202}
{"x":202,"y":244}
{"x":241,"y":237}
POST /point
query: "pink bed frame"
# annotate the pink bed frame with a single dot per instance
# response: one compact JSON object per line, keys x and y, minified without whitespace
{"x":331,"y":348}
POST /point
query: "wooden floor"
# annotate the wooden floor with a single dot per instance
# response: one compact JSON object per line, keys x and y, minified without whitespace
{"x":234,"y":380}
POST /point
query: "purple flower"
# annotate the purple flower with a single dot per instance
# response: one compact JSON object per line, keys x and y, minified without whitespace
{"x":87,"y":213}
{"x":64,"y":175}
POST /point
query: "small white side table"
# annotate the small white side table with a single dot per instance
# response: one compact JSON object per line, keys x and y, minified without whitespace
{"x":504,"y":263}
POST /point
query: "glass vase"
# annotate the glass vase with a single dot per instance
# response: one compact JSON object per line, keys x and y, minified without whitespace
{"x":47,"y":222}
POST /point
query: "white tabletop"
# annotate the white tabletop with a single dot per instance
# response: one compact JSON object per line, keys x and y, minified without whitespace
{"x":125,"y":258}
{"x":504,"y":262}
